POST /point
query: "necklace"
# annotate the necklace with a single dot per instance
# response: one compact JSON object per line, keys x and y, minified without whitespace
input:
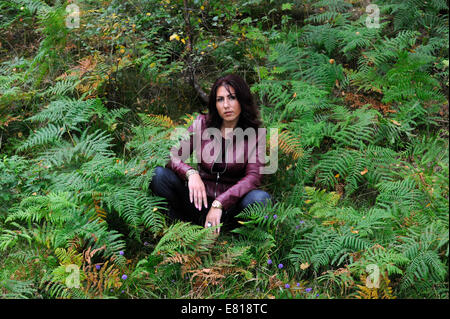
{"x":219,"y":156}
{"x":218,"y":173}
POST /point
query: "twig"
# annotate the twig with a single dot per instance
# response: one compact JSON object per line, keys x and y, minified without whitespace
{"x":191,"y":72}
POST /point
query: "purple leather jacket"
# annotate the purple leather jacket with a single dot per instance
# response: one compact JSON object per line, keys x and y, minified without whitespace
{"x":229,"y":180}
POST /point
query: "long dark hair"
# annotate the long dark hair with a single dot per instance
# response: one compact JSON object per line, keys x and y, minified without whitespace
{"x":249,"y":117}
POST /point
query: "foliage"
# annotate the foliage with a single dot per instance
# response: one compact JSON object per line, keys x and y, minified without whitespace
{"x":87,"y":114}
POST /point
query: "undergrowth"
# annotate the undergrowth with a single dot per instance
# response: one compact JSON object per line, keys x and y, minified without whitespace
{"x":360,"y":198}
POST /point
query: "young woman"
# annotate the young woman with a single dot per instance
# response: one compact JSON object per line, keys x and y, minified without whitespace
{"x":227,"y":178}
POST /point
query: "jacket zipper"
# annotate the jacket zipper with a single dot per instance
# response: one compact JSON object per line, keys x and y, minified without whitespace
{"x":215,"y":189}
{"x":217,"y":180}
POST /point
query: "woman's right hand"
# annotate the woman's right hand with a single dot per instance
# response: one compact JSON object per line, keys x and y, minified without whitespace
{"x":197,"y":192}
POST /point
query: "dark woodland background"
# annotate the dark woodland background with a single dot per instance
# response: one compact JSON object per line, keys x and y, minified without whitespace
{"x":361,"y":192}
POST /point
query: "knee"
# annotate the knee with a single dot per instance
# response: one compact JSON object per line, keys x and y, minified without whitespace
{"x":256,"y":196}
{"x":160,"y":175}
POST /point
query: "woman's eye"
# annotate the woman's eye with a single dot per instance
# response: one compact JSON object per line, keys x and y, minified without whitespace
{"x":232,"y":97}
{"x":219,"y":99}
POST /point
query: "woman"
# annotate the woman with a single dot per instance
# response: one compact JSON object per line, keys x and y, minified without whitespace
{"x":228,"y":177}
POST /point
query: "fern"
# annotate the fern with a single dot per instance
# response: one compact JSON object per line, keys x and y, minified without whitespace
{"x":290,"y":144}
{"x":184,"y":238}
{"x":157,"y":120}
{"x":404,"y":193}
{"x":34,"y":6}
{"x":112,"y":116}
{"x":325,"y":247}
{"x":322,"y":36}
{"x":54,"y":219}
{"x":387,"y":260}
{"x":413,"y":14}
{"x":333,"y":5}
{"x":17,"y":289}
{"x":69,"y":112}
{"x":342,"y":164}
{"x":266,"y":225}
{"x":45,"y":135}
{"x":61,"y":88}
{"x":357,"y":37}
{"x":93,"y":145}
{"x":373,"y":64}
{"x":116,"y":186}
{"x":302,"y":175}
{"x":406,"y":80}
{"x":9,"y":237}
{"x":357,"y":129}
{"x":55,"y":208}
{"x":84,"y":148}
{"x":426,"y":267}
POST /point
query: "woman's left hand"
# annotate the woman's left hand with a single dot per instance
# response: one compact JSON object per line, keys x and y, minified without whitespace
{"x":213,"y":217}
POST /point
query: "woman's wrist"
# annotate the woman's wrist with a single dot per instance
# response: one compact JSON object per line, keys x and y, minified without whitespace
{"x":217,"y":204}
{"x":191,"y":172}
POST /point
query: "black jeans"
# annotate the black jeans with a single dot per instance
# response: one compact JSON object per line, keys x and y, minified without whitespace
{"x":165,"y":183}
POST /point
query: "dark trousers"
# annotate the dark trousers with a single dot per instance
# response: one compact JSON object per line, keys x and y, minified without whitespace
{"x":165,"y":183}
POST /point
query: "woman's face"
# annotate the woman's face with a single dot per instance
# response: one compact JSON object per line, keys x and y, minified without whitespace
{"x":227,"y":104}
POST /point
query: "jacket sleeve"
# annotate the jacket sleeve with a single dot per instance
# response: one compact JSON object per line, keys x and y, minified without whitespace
{"x":179,"y":155}
{"x":251,"y":181}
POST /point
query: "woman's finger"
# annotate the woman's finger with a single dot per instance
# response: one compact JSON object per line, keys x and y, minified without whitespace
{"x":218,"y":228}
{"x":209,"y":224}
{"x":196,"y":199}
{"x":200,"y":200}
{"x":205,"y":199}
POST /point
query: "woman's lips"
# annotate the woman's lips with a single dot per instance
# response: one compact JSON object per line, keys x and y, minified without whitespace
{"x":228,"y":113}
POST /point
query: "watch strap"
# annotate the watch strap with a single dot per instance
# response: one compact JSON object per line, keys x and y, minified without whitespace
{"x":191,"y":172}
{"x":217,"y":204}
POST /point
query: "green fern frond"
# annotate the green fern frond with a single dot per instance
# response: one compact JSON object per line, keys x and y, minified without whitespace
{"x":404,"y":193}
{"x":62,"y":87}
{"x":325,"y":248}
{"x":34,"y":6}
{"x":9,"y":237}
{"x":70,"y":112}
{"x":42,"y":136}
{"x":16,"y":289}
{"x":92,"y":145}
{"x":184,"y":238}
